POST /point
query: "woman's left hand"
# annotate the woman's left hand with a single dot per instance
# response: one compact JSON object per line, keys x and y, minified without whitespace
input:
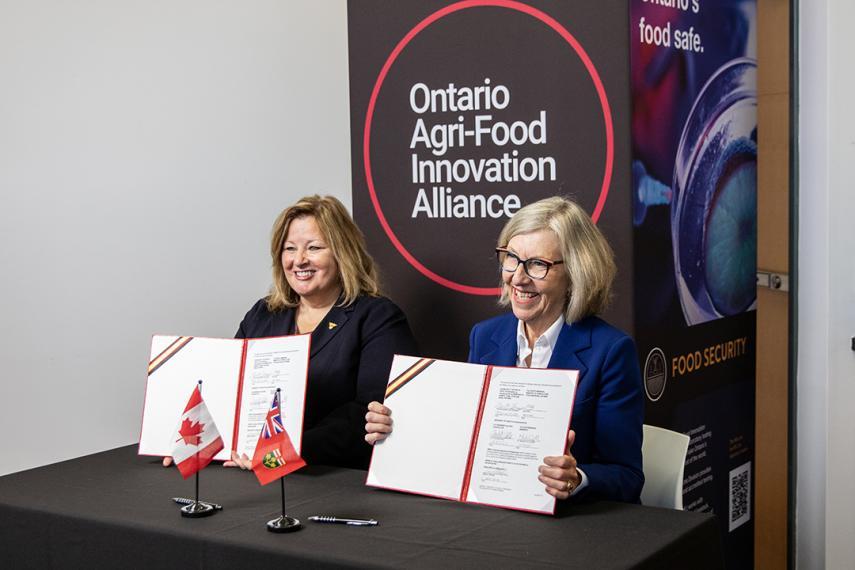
{"x":559,"y":472}
{"x":241,"y":461}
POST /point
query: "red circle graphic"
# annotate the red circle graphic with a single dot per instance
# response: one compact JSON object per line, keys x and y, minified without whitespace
{"x":366,"y":142}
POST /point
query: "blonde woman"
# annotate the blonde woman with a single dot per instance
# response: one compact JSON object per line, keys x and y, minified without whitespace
{"x":325,"y":283}
{"x":557,"y":270}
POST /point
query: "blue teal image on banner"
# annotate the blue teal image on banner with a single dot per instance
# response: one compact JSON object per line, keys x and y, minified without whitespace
{"x":694,"y":191}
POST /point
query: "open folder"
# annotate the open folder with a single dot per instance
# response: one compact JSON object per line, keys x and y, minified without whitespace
{"x":238,"y":377}
{"x":473,"y":433}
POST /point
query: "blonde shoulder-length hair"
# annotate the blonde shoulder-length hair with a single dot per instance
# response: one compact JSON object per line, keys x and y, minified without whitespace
{"x":588,"y":257}
{"x":357,"y":272}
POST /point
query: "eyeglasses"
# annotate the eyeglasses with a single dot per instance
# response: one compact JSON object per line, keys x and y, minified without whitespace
{"x":534,"y":267}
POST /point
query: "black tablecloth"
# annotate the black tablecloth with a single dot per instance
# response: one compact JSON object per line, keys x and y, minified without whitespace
{"x":113,"y":509}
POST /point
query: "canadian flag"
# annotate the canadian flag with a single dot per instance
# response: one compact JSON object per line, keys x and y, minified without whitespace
{"x":196,"y":439}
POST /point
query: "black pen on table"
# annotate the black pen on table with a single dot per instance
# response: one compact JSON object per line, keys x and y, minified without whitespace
{"x":339,"y":520}
{"x":183,"y":501}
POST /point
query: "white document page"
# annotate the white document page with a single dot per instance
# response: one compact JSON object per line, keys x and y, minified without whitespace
{"x":526,"y":417}
{"x":433,"y":417}
{"x":215,"y":361}
{"x":281,"y":362}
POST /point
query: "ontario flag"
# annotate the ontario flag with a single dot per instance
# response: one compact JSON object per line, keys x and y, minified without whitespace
{"x":274,"y":455}
{"x":197,"y":440}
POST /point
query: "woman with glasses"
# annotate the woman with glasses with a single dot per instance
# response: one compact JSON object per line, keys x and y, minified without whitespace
{"x":557,"y":270}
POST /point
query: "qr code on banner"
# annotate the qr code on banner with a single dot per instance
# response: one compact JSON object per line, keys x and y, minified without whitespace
{"x":740,"y":496}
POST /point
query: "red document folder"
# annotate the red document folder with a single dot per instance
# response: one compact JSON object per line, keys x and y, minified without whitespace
{"x":473,"y":433}
{"x":238,"y":377}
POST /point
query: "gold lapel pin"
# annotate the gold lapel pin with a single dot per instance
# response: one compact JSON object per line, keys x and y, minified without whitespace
{"x":332,"y":325}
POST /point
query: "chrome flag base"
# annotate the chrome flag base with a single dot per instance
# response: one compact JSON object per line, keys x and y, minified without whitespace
{"x":197,"y":510}
{"x":284,"y":524}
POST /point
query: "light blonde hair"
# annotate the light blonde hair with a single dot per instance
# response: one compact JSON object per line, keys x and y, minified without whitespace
{"x":588,"y":257}
{"x":357,"y":272}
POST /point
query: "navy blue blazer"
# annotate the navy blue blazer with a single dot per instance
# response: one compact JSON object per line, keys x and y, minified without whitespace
{"x":609,"y":408}
{"x":349,"y":362}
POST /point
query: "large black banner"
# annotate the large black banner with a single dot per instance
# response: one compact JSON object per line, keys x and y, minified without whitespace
{"x":461,"y":113}
{"x":644,"y":112}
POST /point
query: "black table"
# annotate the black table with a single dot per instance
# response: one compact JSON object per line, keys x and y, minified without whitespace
{"x":113,"y":509}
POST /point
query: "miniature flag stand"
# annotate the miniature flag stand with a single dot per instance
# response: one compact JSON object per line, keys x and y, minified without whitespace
{"x":274,"y":458}
{"x":196,"y":442}
{"x":283,"y":523}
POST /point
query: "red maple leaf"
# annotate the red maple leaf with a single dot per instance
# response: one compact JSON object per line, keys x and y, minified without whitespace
{"x":190,"y":431}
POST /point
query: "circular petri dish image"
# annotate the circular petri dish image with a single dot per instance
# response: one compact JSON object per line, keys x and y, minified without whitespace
{"x":714,"y":210}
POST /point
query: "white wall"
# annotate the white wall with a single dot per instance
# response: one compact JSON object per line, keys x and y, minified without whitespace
{"x":145,"y":149}
{"x":826,"y":316}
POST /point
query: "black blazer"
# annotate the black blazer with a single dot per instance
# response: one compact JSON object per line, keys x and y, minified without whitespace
{"x":351,"y":353}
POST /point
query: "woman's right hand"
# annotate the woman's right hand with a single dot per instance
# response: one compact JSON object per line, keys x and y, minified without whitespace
{"x":378,"y":422}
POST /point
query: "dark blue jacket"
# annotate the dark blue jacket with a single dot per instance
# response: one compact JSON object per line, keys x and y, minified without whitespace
{"x":351,"y":353}
{"x":609,"y":408}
